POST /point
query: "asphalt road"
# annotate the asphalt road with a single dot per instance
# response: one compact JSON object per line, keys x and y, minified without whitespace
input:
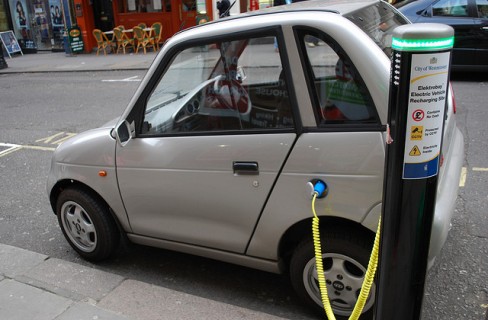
{"x":39,"y":111}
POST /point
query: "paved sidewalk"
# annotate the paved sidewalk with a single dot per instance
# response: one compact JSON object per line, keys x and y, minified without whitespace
{"x":35,"y":286}
{"x":61,"y":62}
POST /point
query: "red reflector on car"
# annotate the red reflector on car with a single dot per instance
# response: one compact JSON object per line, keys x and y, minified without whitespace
{"x":453,"y":98}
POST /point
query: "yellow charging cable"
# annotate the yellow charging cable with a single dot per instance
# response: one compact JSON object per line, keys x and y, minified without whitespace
{"x":368,"y":278}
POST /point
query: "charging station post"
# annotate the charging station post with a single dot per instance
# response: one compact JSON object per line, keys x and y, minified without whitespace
{"x":420,"y":68}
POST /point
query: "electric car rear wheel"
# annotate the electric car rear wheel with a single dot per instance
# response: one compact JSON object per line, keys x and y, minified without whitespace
{"x":87,"y":224}
{"x":345,"y":259}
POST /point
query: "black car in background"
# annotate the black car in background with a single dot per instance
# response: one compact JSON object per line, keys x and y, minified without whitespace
{"x":469,"y":18}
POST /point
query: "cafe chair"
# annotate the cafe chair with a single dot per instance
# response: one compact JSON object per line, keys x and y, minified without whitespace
{"x":122,"y":41}
{"x":121,"y":27}
{"x":143,"y":40}
{"x":158,"y":37}
{"x":142,"y":25}
{"x":102,"y":41}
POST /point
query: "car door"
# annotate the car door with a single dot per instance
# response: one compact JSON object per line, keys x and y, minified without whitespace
{"x":481,"y":29}
{"x":214,"y":132}
{"x":342,"y":143}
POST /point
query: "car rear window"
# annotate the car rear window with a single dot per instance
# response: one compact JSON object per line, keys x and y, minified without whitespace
{"x":378,"y":21}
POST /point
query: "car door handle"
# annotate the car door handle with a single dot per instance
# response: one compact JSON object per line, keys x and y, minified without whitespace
{"x":245,"y":167}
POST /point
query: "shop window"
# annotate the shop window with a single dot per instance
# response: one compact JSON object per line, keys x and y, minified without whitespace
{"x":141,"y":6}
{"x":37,"y":24}
{"x":188,"y":5}
{"x":263,"y":4}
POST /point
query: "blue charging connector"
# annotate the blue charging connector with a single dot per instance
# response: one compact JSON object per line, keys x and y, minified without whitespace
{"x":319,"y":187}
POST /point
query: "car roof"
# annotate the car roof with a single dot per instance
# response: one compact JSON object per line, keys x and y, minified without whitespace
{"x":340,"y":7}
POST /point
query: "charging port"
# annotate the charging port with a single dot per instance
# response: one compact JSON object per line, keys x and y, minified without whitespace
{"x":319,"y":187}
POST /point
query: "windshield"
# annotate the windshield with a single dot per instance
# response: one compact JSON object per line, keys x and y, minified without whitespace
{"x":378,"y":22}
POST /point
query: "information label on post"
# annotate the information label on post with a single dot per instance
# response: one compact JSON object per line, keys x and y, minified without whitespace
{"x":426,"y":109}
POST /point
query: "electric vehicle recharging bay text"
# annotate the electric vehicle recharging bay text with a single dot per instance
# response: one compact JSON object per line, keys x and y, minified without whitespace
{"x":214,"y":153}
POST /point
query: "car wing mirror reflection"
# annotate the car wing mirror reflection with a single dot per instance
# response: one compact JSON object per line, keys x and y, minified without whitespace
{"x":124,"y":133}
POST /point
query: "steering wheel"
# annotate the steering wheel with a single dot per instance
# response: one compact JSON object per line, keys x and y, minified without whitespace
{"x":232,"y":95}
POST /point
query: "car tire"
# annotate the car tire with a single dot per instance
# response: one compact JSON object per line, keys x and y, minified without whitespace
{"x":87,"y":224}
{"x":345,"y":260}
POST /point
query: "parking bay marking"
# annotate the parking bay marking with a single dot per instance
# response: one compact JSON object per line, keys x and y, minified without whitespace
{"x":10,"y":148}
{"x":63,"y":136}
{"x":464,"y":174}
{"x":462,"y":179}
{"x":16,"y":147}
{"x":55,"y":139}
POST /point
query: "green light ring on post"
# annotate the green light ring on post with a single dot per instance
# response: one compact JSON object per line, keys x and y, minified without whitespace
{"x":422,"y":37}
{"x":422,"y":44}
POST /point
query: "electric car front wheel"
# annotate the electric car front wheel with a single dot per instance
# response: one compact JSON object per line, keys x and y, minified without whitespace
{"x":345,"y":259}
{"x":87,"y":224}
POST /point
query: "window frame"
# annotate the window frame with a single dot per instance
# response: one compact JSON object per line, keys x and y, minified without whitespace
{"x":351,"y":126}
{"x":137,"y":113}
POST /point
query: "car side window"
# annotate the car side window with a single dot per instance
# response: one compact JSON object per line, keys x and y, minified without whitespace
{"x":340,"y":95}
{"x":221,"y":86}
{"x":450,"y":8}
{"x":482,"y":7}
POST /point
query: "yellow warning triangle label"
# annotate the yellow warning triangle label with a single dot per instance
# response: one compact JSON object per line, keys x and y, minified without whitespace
{"x":415,"y":151}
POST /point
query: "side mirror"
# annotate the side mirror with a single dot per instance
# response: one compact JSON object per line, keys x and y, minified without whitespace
{"x":123,"y":133}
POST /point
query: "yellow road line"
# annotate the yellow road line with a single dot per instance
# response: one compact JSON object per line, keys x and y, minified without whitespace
{"x":39,"y":148}
{"x":51,"y":138}
{"x":462,"y":179}
{"x":57,"y":138}
{"x":479,"y":169}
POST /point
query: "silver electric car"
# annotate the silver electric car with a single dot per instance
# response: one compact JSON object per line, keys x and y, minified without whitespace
{"x":233,"y":119}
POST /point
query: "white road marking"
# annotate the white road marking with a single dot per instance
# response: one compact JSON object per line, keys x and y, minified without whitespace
{"x":16,"y":147}
{"x":10,"y":148}
{"x":130,"y":79}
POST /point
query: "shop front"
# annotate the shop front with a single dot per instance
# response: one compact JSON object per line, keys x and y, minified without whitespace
{"x":41,"y":24}
{"x":37,"y":24}
{"x":174,"y":15}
